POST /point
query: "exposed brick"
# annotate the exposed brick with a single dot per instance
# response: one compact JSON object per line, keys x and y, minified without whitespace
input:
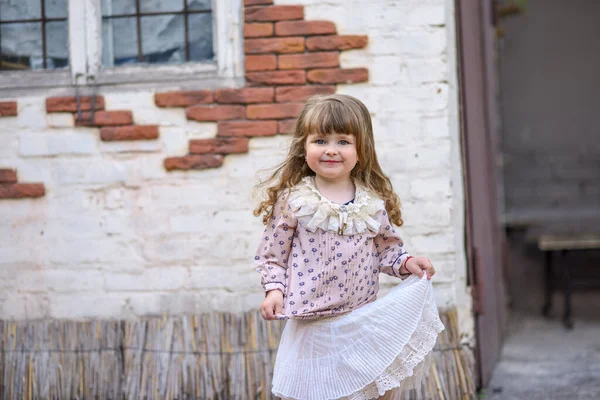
{"x":290,"y":77}
{"x":257,"y":2}
{"x":274,"y":111}
{"x":304,"y":28}
{"x":273,"y":13}
{"x":8,"y":175}
{"x":258,"y":30}
{"x":215,"y":113}
{"x":8,"y":108}
{"x":222,"y":145}
{"x":338,"y":75}
{"x":21,"y":190}
{"x":309,"y":60}
{"x":334,"y":42}
{"x":247,"y":128}
{"x":274,"y":45}
{"x":301,"y":93}
{"x":105,"y":118}
{"x":245,"y":95}
{"x":286,"y":126}
{"x":193,"y":161}
{"x":69,"y":104}
{"x":262,"y":62}
{"x":132,"y":132}
{"x":183,"y":98}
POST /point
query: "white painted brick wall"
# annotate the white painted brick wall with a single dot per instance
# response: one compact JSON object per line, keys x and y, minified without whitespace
{"x":118,"y":236}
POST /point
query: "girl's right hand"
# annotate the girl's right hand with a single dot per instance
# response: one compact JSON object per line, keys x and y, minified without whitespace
{"x":272,"y":305}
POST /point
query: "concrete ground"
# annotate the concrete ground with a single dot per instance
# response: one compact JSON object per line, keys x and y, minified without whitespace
{"x":542,"y":360}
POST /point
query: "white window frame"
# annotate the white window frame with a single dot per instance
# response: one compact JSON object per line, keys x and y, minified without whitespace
{"x":85,"y":55}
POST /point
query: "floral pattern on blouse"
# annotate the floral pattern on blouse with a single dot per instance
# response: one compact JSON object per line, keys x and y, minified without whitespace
{"x":322,"y":272}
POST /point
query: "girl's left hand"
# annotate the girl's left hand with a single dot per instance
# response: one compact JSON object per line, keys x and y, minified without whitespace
{"x":416,"y":266}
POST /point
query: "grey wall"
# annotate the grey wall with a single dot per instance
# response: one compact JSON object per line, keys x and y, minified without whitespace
{"x":550,"y":84}
{"x":549,"y":65}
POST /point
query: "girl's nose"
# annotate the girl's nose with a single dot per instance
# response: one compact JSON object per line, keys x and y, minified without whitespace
{"x":330,"y":152}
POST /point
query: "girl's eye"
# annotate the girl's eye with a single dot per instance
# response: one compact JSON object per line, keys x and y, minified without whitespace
{"x":319,"y":141}
{"x":344,"y":142}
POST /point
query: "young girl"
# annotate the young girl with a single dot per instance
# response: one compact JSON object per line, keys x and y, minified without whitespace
{"x":328,"y":236}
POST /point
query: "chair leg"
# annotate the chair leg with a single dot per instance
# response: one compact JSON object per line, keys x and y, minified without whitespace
{"x":548,"y":284}
{"x":567,"y":320}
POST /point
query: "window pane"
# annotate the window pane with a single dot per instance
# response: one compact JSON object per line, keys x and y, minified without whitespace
{"x":119,"y":41}
{"x":56,"y":8}
{"x":57,"y":47}
{"x":161,"y":5}
{"x":118,"y":7}
{"x":201,"y":37}
{"x":199,"y":4}
{"x":163,"y":39}
{"x":11,"y":10}
{"x":21,"y":46}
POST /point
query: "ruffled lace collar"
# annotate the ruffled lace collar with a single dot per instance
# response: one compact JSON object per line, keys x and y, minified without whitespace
{"x":315,"y":211}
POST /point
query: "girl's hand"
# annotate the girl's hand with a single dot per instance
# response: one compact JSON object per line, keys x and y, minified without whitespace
{"x":272,"y":305}
{"x":416,"y":266}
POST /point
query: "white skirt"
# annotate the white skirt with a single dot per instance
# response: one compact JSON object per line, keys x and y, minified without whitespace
{"x":363,"y":354}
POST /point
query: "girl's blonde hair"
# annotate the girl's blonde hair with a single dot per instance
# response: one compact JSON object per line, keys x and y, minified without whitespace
{"x":325,"y":115}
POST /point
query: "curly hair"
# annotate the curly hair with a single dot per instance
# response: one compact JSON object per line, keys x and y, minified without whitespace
{"x":337,"y":113}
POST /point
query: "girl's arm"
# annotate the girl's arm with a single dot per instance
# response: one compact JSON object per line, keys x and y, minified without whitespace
{"x":274,"y":249}
{"x":389,"y":249}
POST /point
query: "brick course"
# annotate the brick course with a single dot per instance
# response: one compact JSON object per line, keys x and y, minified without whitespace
{"x":274,"y":111}
{"x":301,"y":93}
{"x":8,"y":175}
{"x":219,"y":145}
{"x":304,"y":28}
{"x":195,"y":161}
{"x":337,"y":75}
{"x":261,"y":62}
{"x":132,"y":132}
{"x":286,"y":126}
{"x":8,"y":108}
{"x":273,"y":13}
{"x":258,"y":30}
{"x":183,"y":99}
{"x":215,"y":113}
{"x":245,"y":95}
{"x":105,"y":118}
{"x":11,"y":189}
{"x":320,"y":43}
{"x":247,"y":128}
{"x":69,"y":104}
{"x":289,"y":77}
{"x":309,"y":60}
{"x":22,"y":190}
{"x":274,"y":45}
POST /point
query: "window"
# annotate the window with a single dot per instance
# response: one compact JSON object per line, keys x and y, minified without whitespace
{"x":33,"y":34}
{"x":62,"y":42}
{"x":156,"y":32}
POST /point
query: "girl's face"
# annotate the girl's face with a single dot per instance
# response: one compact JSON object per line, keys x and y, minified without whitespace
{"x":331,"y":156}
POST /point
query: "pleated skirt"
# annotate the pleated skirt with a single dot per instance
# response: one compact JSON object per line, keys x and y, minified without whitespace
{"x":382,"y":346}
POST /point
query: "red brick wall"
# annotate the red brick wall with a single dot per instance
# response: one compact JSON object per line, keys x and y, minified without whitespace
{"x":287,"y":60}
{"x":11,"y":189}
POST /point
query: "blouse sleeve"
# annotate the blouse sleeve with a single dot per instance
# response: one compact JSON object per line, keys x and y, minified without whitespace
{"x":273,"y":251}
{"x":389,"y":248}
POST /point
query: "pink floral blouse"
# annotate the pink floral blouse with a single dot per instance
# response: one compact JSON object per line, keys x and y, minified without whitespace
{"x":326,"y":257}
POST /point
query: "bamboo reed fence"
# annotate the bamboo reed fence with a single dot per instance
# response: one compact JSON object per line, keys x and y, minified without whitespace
{"x":211,"y":356}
